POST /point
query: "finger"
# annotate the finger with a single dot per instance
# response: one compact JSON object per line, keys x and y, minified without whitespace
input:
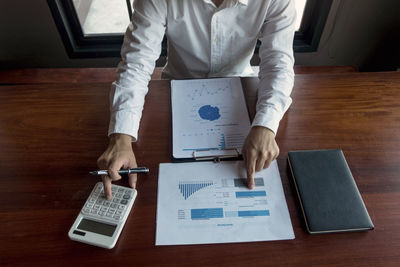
{"x":132,"y":177}
{"x":260,"y":163}
{"x":107,"y":186}
{"x":132,"y":180}
{"x":272,"y":157}
{"x":250,"y":168}
{"x":113,"y":169}
{"x":267,"y":163}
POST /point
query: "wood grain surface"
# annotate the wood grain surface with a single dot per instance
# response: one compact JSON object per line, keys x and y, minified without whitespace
{"x":90,"y":75}
{"x":52,"y":133}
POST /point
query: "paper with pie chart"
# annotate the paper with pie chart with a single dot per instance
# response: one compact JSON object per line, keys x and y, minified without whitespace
{"x":208,"y":114}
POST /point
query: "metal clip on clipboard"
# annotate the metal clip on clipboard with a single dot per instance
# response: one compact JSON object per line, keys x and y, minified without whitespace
{"x":215,"y":155}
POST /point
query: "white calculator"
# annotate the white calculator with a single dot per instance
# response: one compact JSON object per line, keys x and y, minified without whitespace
{"x":100,"y":221}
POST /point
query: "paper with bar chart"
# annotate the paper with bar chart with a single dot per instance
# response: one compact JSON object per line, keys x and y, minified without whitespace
{"x":208,"y":114}
{"x":206,"y":202}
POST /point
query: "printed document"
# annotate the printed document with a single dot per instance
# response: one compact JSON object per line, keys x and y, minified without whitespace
{"x":206,"y":202}
{"x":208,"y":114}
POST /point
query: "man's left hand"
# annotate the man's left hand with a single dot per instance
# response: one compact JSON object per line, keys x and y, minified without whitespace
{"x":259,"y":150}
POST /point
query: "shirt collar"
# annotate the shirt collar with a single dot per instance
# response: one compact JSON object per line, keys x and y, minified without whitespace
{"x":243,"y":2}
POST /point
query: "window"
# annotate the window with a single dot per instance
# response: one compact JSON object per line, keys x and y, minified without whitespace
{"x":102,"y":17}
{"x":112,"y":16}
{"x":300,"y":4}
{"x":312,"y":24}
{"x":95,"y":28}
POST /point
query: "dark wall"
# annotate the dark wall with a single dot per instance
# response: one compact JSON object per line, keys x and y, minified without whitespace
{"x":29,"y":38}
{"x":356,"y":32}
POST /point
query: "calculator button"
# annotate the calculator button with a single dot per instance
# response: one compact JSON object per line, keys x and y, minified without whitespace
{"x":104,"y":209}
{"x":92,"y":200}
{"x":124,"y":201}
{"x":101,"y":213}
{"x":86,"y":210}
{"x":109,"y":214}
{"x":97,"y":207}
{"x":93,"y":212}
{"x":118,"y":212}
{"x":116,"y":200}
{"x":113,"y":188}
{"x":128,"y":192}
{"x":120,"y":190}
{"x":121,"y":207}
{"x":126,"y":196}
{"x":89,"y":205}
{"x":99,"y":202}
{"x":112,"y":210}
{"x":106,"y":203}
{"x":117,"y":217}
{"x":113,"y":205}
{"x":119,"y":195}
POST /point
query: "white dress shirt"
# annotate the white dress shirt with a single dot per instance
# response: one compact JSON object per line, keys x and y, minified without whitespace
{"x":206,"y":41}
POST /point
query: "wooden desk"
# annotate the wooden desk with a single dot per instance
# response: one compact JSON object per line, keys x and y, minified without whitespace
{"x":107,"y":75}
{"x":52,"y":134}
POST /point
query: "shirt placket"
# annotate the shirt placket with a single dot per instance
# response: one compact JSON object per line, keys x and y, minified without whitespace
{"x":216,"y":53}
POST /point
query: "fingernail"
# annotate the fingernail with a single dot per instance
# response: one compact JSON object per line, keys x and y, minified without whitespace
{"x":134,"y":186}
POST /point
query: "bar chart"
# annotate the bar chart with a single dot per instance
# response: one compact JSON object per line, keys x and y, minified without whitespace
{"x":188,"y":189}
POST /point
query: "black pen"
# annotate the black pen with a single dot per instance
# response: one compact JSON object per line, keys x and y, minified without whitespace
{"x":128,"y":171}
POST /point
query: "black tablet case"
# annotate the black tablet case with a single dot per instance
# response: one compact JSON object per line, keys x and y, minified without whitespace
{"x":328,"y":195}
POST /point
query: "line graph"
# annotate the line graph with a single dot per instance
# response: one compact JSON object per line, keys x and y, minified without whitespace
{"x":206,"y":91}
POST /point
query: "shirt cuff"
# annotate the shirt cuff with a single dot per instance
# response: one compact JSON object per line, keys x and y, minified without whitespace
{"x":124,"y":122}
{"x":267,"y":118}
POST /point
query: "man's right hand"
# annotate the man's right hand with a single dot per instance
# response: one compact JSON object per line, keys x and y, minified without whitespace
{"x":118,"y":155}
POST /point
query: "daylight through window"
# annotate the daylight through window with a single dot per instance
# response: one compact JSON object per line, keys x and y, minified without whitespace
{"x":102,"y":17}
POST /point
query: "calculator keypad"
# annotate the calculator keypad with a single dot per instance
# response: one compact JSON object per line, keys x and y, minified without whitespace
{"x":98,"y":206}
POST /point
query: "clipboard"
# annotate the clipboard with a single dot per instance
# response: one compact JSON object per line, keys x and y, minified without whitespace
{"x":210,"y":119}
{"x":216,"y":155}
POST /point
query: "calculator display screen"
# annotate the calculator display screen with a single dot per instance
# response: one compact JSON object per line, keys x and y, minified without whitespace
{"x":97,"y":227}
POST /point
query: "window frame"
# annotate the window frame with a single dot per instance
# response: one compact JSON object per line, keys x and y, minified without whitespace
{"x":309,"y":35}
{"x":78,"y":45}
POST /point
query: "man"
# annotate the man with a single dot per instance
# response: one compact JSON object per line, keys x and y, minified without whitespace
{"x":206,"y":38}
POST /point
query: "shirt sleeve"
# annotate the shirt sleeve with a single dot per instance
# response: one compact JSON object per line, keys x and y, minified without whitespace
{"x":140,"y":50}
{"x":276,"y":64}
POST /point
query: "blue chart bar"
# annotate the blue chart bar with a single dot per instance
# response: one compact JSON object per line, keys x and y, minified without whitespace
{"x":253,"y":213}
{"x":199,"y":149}
{"x":206,"y":213}
{"x":251,"y":194}
{"x":222,"y":144}
{"x":188,"y":189}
